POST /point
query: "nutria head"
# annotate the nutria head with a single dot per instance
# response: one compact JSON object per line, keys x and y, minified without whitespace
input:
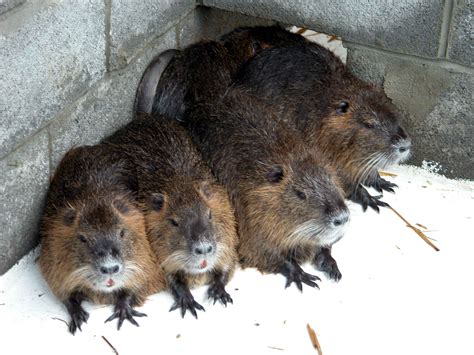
{"x":99,"y":239}
{"x":189,"y":229}
{"x":301,"y":202}
{"x":361,"y":131}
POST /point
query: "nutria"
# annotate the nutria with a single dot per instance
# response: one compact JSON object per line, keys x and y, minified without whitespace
{"x":190,"y":222}
{"x":352,"y":122}
{"x":94,"y":244}
{"x":202,"y":71}
{"x":288,"y":204}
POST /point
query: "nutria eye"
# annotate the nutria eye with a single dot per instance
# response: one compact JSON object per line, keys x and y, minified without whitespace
{"x":342,"y":107}
{"x":122,"y":233}
{"x":173,"y":222}
{"x":368,"y":125}
{"x":82,"y":238}
{"x":301,"y":195}
{"x":210,"y":215}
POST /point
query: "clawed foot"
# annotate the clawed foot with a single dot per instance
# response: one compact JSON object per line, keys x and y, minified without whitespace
{"x":294,"y":273}
{"x":125,"y":311}
{"x":326,"y":263}
{"x":381,"y":184}
{"x":217,"y":292}
{"x":361,"y":196}
{"x":187,"y":302}
{"x":78,"y":317}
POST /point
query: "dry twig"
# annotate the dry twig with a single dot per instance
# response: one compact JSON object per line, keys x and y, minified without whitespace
{"x":301,"y":31}
{"x":422,"y":226}
{"x":416,"y":230}
{"x":108,"y":342}
{"x":314,"y":339}
{"x":386,"y":173}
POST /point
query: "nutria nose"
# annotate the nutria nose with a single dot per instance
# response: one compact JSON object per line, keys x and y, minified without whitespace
{"x":109,"y":269}
{"x":203,"y":249}
{"x":341,"y":219}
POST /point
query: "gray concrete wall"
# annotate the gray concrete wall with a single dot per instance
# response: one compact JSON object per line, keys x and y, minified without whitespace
{"x":69,"y":70}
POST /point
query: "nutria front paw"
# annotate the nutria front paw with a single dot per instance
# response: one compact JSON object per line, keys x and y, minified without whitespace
{"x":381,"y":184}
{"x":217,"y":292}
{"x":294,"y":273}
{"x":361,"y":196}
{"x":125,"y":311}
{"x":186,"y":302}
{"x":78,"y":317}
{"x":327,"y":264}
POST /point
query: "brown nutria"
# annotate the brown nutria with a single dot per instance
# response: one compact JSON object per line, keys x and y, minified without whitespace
{"x":202,"y":71}
{"x":190,"y":222}
{"x":94,"y":244}
{"x":288,"y":204}
{"x":352,"y":122}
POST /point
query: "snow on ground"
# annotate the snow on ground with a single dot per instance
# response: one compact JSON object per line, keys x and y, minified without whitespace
{"x":397,"y":295}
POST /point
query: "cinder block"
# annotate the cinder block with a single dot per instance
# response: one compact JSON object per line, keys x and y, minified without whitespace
{"x":51,"y":53}
{"x":461,"y":39}
{"x":133,"y":23}
{"x":437,"y":103}
{"x":23,"y":183}
{"x":6,"y":5}
{"x":407,"y":26}
{"x":106,"y":107}
{"x":210,"y":23}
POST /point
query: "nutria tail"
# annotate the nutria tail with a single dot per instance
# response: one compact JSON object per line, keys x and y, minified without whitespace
{"x":146,"y":90}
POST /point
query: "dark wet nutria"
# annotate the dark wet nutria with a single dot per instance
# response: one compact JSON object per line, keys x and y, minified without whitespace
{"x":352,"y":122}
{"x":288,"y":204}
{"x":94,"y":244}
{"x":190,"y":222}
{"x":202,"y":71}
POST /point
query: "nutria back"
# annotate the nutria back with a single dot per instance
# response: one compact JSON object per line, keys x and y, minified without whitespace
{"x":202,"y":71}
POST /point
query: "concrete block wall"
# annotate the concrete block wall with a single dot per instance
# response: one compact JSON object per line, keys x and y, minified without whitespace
{"x":421,"y":51}
{"x":69,"y":70}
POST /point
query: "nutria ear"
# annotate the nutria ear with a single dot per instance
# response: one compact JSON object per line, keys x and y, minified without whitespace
{"x":275,"y":174}
{"x":206,"y":189}
{"x":156,"y":201}
{"x":121,"y":206}
{"x":69,"y":216}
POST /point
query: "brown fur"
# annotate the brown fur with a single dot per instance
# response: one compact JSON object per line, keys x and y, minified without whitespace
{"x":244,"y":147}
{"x":353,"y":123}
{"x":161,"y":235}
{"x":176,"y":185}
{"x":90,"y":196}
{"x":202,"y":71}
